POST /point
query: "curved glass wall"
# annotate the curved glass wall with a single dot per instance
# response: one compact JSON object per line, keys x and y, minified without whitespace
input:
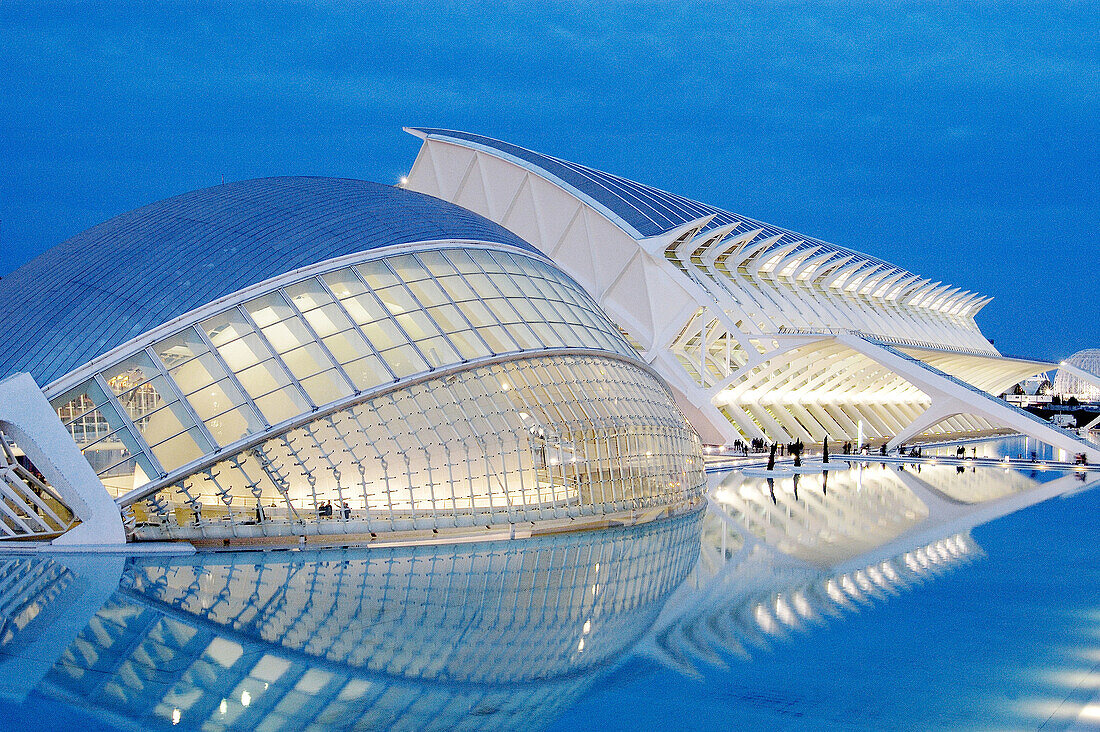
{"x":316,"y":341}
{"x":531,"y":439}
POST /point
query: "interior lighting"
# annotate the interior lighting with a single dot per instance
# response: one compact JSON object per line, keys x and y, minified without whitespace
{"x":223,"y":707}
{"x":587,"y":627}
{"x":175,"y":716}
{"x":580,"y":646}
{"x":246,"y":698}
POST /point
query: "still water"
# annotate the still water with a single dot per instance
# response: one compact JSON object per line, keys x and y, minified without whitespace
{"x":877,"y":597}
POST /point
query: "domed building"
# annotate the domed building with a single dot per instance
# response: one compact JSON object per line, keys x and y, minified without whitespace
{"x":313,"y":359}
{"x":1079,"y":376}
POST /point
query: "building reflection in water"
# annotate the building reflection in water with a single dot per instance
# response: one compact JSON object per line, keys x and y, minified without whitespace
{"x":496,"y":636}
{"x":813,"y":548}
{"x":484,"y":636}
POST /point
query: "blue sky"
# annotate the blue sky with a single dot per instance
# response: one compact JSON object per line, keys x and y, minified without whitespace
{"x":959,"y":140}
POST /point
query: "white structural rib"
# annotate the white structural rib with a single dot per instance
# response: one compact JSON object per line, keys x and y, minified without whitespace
{"x":28,"y":418}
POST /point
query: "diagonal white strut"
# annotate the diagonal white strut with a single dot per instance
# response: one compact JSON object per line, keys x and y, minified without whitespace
{"x":951,"y":396}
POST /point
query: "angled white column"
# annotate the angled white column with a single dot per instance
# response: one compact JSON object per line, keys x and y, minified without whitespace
{"x":28,"y":418}
{"x":952,"y":396}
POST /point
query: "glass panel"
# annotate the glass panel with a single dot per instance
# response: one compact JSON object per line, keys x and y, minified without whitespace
{"x":347,"y":346}
{"x":131,"y":372}
{"x":131,"y":473}
{"x":377,"y":275}
{"x":307,"y":295}
{"x":404,"y":361}
{"x":477,"y":313}
{"x":483,"y":258}
{"x":287,"y":334}
{"x":364,"y":308}
{"x":438,"y":351}
{"x":262,"y":378}
{"x":215,"y":399}
{"x":468,"y":344}
{"x":367,"y":373}
{"x":326,"y":387}
{"x":462,"y":262}
{"x":181,"y":449}
{"x":226,"y":327}
{"x":397,"y":300}
{"x":231,"y":426}
{"x":447,"y":318}
{"x":384,"y":334}
{"x":268,"y":309}
{"x":505,"y":285}
{"x":87,"y":425}
{"x":328,"y":319}
{"x":417,"y":324}
{"x":497,"y":339}
{"x":163,"y":423}
{"x":244,"y":352}
{"x":436,"y":263}
{"x":408,"y":268}
{"x":523,"y":336}
{"x":344,"y":283}
{"x":457,"y":288}
{"x":179,"y":348}
{"x":109,"y":450}
{"x":307,"y":361}
{"x":197,"y":373}
{"x":143,"y":399}
{"x":428,"y":293}
{"x":78,"y":401}
{"x":503,"y":312}
{"x":549,"y":334}
{"x":281,"y":405}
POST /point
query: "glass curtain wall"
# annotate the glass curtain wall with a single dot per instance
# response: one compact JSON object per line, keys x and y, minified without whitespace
{"x":536,"y":438}
{"x":287,"y":352}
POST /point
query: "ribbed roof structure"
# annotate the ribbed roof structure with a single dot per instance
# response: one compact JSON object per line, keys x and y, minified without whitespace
{"x":642,"y":210}
{"x":141,"y":269}
{"x":1070,"y":384}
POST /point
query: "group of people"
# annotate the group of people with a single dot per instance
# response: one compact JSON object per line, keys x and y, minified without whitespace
{"x":325,"y":510}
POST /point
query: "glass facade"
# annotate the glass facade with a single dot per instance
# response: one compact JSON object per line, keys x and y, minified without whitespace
{"x":535,"y":438}
{"x":302,"y":346}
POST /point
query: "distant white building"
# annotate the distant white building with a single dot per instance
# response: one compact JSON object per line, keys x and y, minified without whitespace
{"x":1079,"y":376}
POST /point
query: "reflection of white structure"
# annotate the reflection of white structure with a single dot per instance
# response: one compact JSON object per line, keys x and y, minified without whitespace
{"x":295,"y":357}
{"x":822,"y":548}
{"x":762,"y":332}
{"x":1079,"y":376}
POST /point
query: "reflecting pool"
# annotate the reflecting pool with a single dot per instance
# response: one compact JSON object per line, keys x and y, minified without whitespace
{"x":881,"y":596}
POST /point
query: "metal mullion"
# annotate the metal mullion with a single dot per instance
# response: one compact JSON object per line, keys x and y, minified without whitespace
{"x":276,"y":357}
{"x":358,"y":328}
{"x":127,"y":422}
{"x":316,"y":339}
{"x":430,"y":392}
{"x":232,"y":376}
{"x":451,"y":301}
{"x":183,"y":400}
{"x":390,"y":315}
